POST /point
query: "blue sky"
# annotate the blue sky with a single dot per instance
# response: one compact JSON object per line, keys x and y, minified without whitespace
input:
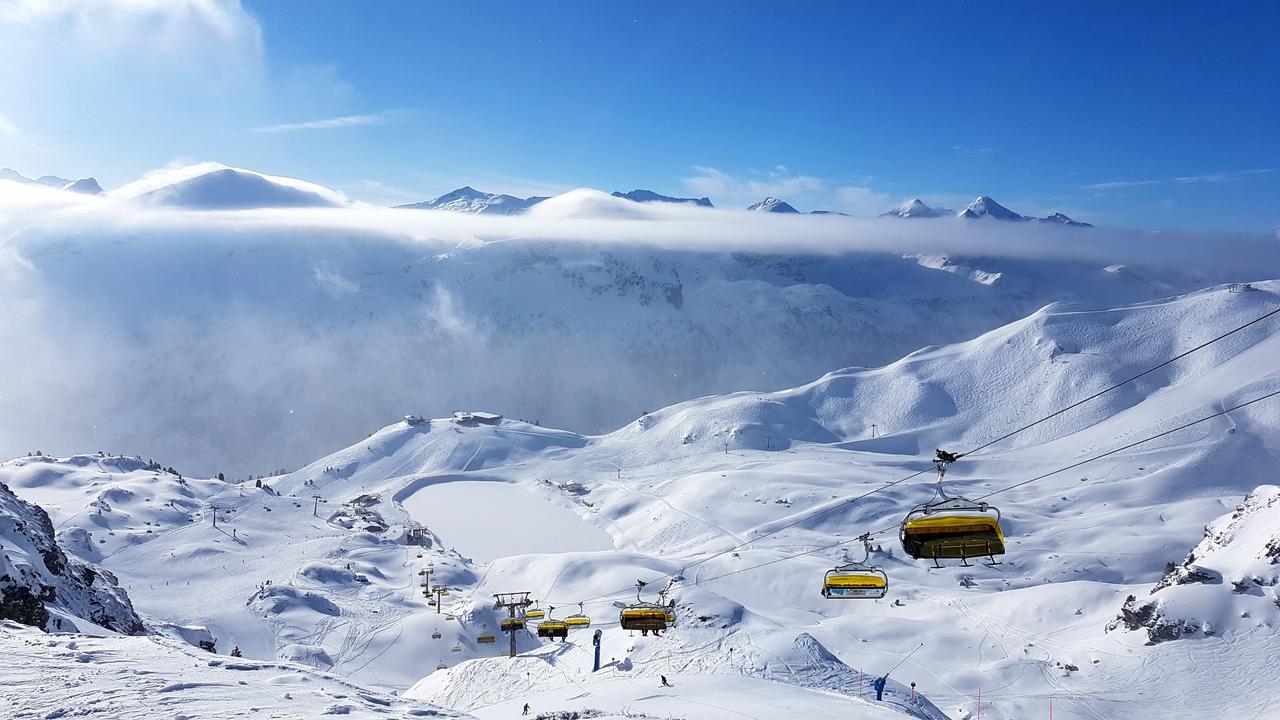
{"x":1159,"y":115}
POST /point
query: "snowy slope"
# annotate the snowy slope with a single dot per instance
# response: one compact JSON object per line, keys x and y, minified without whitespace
{"x":685,"y":481}
{"x":1226,"y":585}
{"x":134,"y":677}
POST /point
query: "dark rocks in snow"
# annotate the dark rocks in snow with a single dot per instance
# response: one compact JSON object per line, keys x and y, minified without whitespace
{"x":40,"y":584}
{"x":1223,"y":585}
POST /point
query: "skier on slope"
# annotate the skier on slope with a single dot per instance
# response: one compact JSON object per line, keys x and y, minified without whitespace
{"x":526,"y":709}
{"x":664,"y":681}
{"x":879,"y":686}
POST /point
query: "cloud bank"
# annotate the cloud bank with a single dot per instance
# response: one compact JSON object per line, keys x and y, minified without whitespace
{"x":255,"y":339}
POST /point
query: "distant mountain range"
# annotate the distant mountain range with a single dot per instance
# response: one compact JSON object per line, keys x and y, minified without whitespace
{"x":982,"y":208}
{"x":651,"y":196}
{"x":221,"y":187}
{"x":88,"y":185}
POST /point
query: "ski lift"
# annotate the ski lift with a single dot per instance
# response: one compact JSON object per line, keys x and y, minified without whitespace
{"x":450,"y":617}
{"x":952,"y":527}
{"x":456,"y":648}
{"x":578,"y":619}
{"x":534,"y":613}
{"x":441,"y":666}
{"x":435,"y":635}
{"x":645,"y":616}
{"x":486,"y":638}
{"x":856,"y":580}
{"x":512,"y":623}
{"x":552,"y":628}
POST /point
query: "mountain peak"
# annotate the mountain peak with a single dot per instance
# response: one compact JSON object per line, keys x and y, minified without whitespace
{"x":984,"y":206}
{"x":915,"y":208}
{"x":651,"y":196}
{"x":772,"y":204}
{"x":87,"y":186}
{"x":1061,"y":219}
{"x":470,"y":200}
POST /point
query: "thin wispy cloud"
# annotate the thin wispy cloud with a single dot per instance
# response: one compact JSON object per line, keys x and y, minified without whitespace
{"x":806,"y":192}
{"x":1219,"y":177}
{"x":7,"y":128}
{"x":334,"y":123}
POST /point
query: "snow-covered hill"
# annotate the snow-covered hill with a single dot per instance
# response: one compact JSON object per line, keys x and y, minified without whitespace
{"x":690,"y":497}
{"x":212,"y":186}
{"x":1225,"y":585}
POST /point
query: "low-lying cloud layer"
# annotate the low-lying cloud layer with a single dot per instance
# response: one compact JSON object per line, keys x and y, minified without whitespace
{"x":255,"y":339}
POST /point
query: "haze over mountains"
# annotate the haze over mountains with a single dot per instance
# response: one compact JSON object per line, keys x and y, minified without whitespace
{"x":216,"y":186}
{"x":631,"y":304}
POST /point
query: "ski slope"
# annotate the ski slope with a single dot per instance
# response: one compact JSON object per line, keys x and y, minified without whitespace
{"x":734,"y":503}
{"x":72,"y":675}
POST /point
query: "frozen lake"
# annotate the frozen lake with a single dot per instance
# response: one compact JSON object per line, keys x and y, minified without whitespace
{"x":489,"y":520}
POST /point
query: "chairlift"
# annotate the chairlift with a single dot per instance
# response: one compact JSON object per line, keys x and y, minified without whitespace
{"x":952,"y":527}
{"x":486,"y":638}
{"x":858,"y":580}
{"x":512,"y":623}
{"x":552,"y":628}
{"x":534,"y":613}
{"x":645,"y":616}
{"x":578,"y":620}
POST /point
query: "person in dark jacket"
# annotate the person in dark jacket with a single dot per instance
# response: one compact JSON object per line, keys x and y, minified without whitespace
{"x":664,"y":681}
{"x":526,"y":709}
{"x":879,"y":685}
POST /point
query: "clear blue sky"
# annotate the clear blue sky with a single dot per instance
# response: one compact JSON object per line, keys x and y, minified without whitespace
{"x":1160,"y":114}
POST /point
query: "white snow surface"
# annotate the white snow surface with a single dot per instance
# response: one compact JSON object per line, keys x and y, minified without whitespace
{"x":146,"y":678}
{"x":682,"y":483}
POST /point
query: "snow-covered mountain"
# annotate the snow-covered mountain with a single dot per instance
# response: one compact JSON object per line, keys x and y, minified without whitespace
{"x":712,"y":474}
{"x":212,"y":186}
{"x":87,"y":185}
{"x":916,"y":208}
{"x":772,"y":204}
{"x":651,"y":196}
{"x":469,"y":200}
{"x":985,"y":207}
